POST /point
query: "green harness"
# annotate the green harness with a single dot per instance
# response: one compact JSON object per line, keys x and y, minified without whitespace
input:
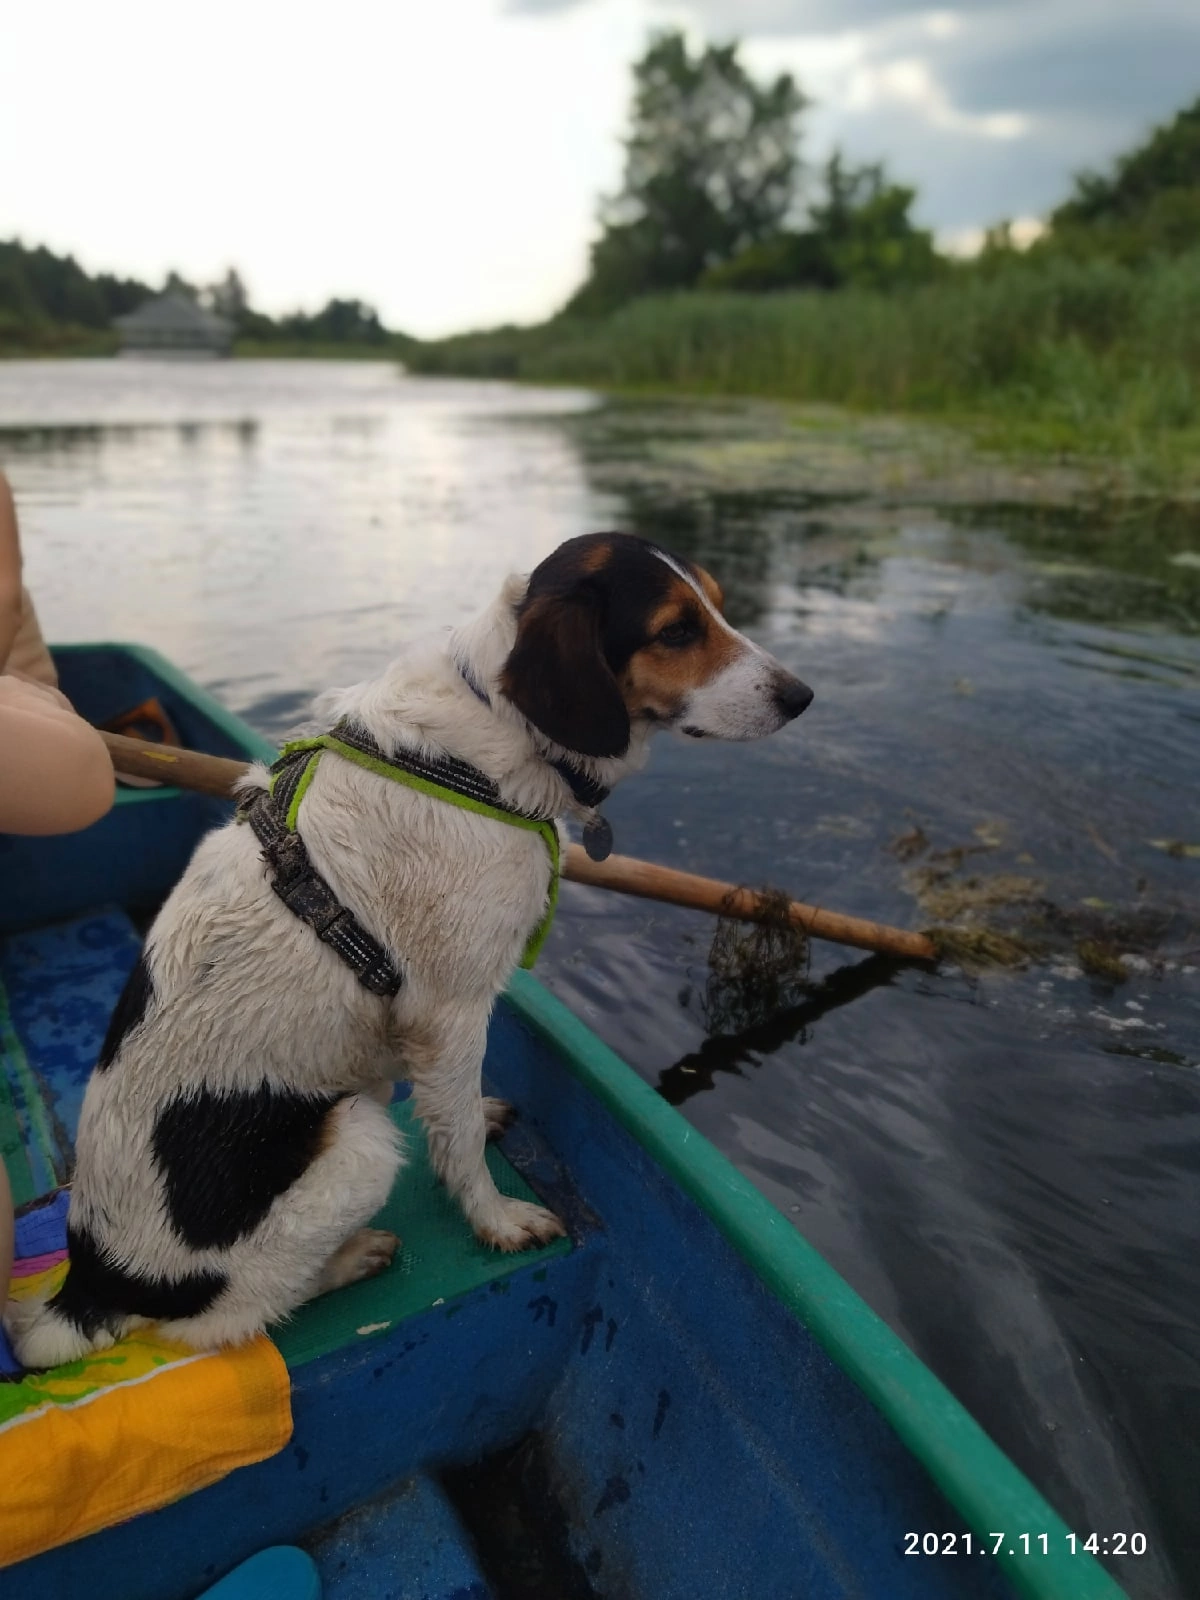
{"x":448,"y":779}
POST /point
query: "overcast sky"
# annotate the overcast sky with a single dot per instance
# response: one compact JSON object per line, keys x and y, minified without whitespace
{"x":442,"y":159}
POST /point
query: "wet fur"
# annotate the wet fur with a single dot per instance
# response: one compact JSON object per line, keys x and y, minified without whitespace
{"x":234,"y":1139}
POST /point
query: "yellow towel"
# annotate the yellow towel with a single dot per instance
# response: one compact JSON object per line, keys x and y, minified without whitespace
{"x":128,"y":1430}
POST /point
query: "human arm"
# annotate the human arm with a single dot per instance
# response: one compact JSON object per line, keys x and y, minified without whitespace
{"x":55,"y":771}
{"x":10,"y":572}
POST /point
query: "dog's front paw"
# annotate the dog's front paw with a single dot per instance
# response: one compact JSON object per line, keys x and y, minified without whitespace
{"x":497,"y":1115}
{"x":518,"y":1225}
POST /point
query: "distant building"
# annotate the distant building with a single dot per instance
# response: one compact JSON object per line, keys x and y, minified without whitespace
{"x":173,"y":325}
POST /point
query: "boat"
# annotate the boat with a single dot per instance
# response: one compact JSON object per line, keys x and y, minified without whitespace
{"x":683,"y":1399}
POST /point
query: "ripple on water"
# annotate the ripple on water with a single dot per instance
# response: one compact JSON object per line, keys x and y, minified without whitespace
{"x":1005,"y":1165}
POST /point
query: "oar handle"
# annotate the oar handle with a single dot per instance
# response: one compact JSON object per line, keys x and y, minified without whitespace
{"x":186,"y":769}
{"x":215,"y":775}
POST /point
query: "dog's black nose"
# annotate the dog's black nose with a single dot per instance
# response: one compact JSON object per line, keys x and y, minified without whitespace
{"x":792,"y":697}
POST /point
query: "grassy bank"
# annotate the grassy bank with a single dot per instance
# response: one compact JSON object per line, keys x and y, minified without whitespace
{"x":1052,"y":355}
{"x":394,"y":349}
{"x":20,"y":343}
{"x":69,"y":342}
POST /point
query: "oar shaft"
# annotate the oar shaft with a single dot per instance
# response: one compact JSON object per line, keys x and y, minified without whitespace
{"x":215,"y":775}
{"x":627,"y":875}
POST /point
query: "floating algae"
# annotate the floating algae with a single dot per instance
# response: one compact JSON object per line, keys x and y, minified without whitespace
{"x":755,"y":969}
{"x":1007,"y":919}
{"x":978,"y":947}
{"x":950,"y":900}
{"x":1100,"y":959}
{"x":913,"y":843}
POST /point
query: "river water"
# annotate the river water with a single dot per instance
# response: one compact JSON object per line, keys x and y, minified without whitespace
{"x":1006,"y":1164}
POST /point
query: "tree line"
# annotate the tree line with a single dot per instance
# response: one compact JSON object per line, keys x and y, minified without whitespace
{"x":48,"y":301}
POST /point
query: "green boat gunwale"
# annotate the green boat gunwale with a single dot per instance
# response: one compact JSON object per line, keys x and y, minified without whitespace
{"x":973,"y":1473}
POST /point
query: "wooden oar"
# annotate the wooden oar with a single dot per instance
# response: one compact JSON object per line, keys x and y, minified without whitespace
{"x":215,"y":775}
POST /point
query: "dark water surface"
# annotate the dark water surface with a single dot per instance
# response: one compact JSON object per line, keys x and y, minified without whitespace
{"x":1006,"y":1164}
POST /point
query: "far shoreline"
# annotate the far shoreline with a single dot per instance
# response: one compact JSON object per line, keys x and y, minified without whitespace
{"x":953,"y":453}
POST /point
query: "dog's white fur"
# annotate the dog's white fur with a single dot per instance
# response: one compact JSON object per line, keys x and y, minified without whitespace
{"x":245,"y":992}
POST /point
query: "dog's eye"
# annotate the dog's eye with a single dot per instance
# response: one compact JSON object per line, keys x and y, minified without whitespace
{"x":675,"y":633}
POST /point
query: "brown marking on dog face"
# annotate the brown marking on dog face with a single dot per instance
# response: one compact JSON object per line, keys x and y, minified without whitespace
{"x":590,"y":650}
{"x":596,"y":557}
{"x":661,"y":674}
{"x":712,"y":589}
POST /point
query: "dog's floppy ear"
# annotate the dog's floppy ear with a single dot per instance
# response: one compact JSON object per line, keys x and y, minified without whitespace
{"x":557,"y":676}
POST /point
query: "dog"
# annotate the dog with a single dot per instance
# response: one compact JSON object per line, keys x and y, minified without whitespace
{"x":234,"y":1141}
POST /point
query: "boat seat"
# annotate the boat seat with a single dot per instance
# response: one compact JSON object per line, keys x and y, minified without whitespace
{"x":58,"y":986}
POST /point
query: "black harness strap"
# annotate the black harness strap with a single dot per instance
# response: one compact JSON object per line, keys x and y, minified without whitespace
{"x":448,"y":772}
{"x":304,"y":891}
{"x":271,"y":814}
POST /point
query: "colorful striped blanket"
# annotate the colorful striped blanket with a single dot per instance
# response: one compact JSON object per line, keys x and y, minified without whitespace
{"x":125,"y":1430}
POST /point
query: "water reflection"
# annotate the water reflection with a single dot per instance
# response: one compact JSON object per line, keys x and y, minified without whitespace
{"x":697,"y":1071}
{"x":92,"y":439}
{"x":1006,"y":1166}
{"x":1129,"y":566}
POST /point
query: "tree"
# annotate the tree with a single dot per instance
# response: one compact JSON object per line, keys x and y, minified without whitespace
{"x":867,"y":230}
{"x":229,"y":298}
{"x":860,"y":233}
{"x":41,"y":286}
{"x":339,"y":322}
{"x":789,"y":260}
{"x":711,"y":167}
{"x":1148,"y":205}
{"x":178,"y":285}
{"x":1168,"y":160}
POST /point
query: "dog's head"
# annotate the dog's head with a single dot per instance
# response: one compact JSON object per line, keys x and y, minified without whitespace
{"x":614,"y":631}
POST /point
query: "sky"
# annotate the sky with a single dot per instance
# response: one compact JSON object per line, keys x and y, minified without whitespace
{"x":442,"y":159}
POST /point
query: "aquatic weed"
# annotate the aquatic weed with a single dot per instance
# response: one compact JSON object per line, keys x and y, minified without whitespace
{"x":755,"y":969}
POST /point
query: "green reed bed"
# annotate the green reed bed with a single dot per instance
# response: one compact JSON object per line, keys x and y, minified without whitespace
{"x":1050,"y":353}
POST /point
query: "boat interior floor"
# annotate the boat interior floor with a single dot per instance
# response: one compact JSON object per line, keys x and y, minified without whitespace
{"x":58,"y":987}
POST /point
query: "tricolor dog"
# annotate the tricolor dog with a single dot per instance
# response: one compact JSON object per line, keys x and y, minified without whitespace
{"x":356,"y":925}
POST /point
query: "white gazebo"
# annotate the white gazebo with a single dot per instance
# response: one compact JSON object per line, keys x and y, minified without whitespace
{"x":173,"y":325}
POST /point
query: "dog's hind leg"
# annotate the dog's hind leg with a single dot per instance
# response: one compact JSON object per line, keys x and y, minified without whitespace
{"x":365,"y":1254}
{"x":312,"y":1239}
{"x":446,"y":1065}
{"x":498,"y":1116}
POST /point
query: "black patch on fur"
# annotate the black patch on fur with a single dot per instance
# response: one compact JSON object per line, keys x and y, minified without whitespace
{"x":225,"y":1157}
{"x":586,"y":611}
{"x":130,"y":1010}
{"x":99,"y":1292}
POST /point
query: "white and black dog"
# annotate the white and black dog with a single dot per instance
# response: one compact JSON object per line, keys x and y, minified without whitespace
{"x":233,"y":1140}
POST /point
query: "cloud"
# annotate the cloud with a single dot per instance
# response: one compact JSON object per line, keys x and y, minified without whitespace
{"x":452,"y":178}
{"x":1128,"y":66}
{"x":988,"y":107}
{"x":909,"y":81}
{"x":746,"y":19}
{"x":535,"y":8}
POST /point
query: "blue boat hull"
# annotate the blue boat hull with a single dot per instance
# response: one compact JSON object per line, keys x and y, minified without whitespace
{"x":675,"y":1424}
